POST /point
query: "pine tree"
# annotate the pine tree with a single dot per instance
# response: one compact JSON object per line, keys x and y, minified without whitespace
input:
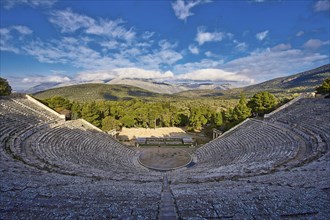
{"x":109,"y":123}
{"x":75,"y":110}
{"x":91,"y":114}
{"x":262,"y":103}
{"x":241,"y":110}
{"x":324,"y":88}
{"x":217,"y":119}
{"x":128,"y":121}
{"x":5,"y":88}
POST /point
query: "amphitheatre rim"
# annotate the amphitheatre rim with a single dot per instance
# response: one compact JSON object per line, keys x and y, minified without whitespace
{"x":165,"y":168}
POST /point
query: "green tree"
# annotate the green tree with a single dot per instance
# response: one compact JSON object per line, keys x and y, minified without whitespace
{"x":109,"y":123}
{"x":141,"y":117}
{"x":180,"y":119}
{"x":218,"y":119}
{"x":59,"y":103}
{"x":229,"y":115}
{"x":104,"y":108}
{"x":91,"y":114}
{"x":241,"y":110}
{"x":324,"y":88}
{"x":5,"y":88}
{"x":262,"y":103}
{"x":197,"y":120}
{"x":166,"y":117}
{"x":152,"y":118}
{"x":127,"y":121}
{"x":75,"y":110}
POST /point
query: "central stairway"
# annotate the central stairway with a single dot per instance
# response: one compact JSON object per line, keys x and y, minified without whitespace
{"x":167,"y":205}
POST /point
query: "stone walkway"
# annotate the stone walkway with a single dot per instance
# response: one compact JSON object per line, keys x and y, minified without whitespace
{"x":167,"y":205}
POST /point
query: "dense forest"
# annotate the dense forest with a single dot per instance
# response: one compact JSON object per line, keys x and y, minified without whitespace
{"x":109,"y":115}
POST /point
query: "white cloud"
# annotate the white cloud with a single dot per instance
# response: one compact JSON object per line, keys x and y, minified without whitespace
{"x":70,"y":50}
{"x":22,"y":30}
{"x":214,"y":75}
{"x":300,"y":33}
{"x":8,"y":4}
{"x":191,"y":67}
{"x":141,"y":73}
{"x":315,"y":44}
{"x":266,"y":64}
{"x":147,"y":35}
{"x":322,"y":5}
{"x":157,"y":58}
{"x":280,"y":47}
{"x":132,"y":52}
{"x":241,"y":46}
{"x":8,"y":48}
{"x":123,"y":73}
{"x":262,"y":35}
{"x":5,"y":36}
{"x":4,"y":31}
{"x":193,"y":49}
{"x":45,"y":79}
{"x":109,"y":44}
{"x":70,"y":22}
{"x":210,"y":54}
{"x":78,"y":53}
{"x":203,"y":36}
{"x":13,"y":32}
{"x":182,"y":8}
{"x":111,"y":28}
{"x":48,"y":52}
{"x":164,"y":44}
{"x":87,"y":76}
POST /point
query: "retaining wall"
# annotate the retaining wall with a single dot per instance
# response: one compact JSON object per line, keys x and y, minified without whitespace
{"x":44,"y":107}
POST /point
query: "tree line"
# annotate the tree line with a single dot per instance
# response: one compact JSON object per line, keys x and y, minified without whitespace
{"x":109,"y":115}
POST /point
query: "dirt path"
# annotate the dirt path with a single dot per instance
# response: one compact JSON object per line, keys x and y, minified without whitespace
{"x":132,"y":133}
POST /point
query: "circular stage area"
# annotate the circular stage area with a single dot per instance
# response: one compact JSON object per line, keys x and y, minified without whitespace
{"x":164,"y":158}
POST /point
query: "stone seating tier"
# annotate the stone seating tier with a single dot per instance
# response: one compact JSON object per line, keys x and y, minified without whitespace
{"x":277,"y":168}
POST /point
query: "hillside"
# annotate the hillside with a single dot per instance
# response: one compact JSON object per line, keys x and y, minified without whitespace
{"x":97,"y":91}
{"x":163,"y":88}
{"x":301,"y":82}
{"x":297,"y":83}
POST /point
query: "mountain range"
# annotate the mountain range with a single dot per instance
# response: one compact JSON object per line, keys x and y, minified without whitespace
{"x":300,"y":82}
{"x":147,"y":84}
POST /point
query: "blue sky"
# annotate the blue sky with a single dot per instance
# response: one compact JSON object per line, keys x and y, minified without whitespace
{"x":245,"y":42}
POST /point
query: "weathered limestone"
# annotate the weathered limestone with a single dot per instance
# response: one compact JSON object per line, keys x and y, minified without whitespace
{"x":277,"y":168}
{"x":167,"y":209}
